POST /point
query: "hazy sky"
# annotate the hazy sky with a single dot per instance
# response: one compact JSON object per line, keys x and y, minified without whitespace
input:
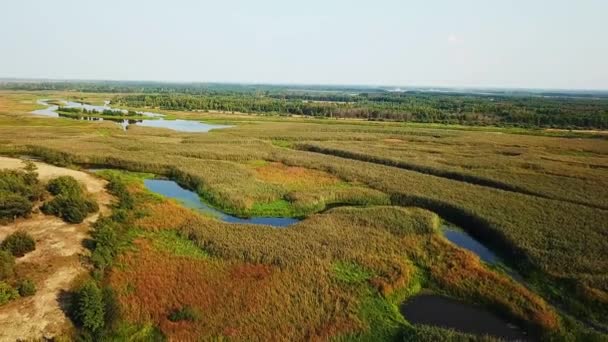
{"x":516,"y":43}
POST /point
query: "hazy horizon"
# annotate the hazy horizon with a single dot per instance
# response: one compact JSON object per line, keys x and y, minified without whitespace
{"x":470,"y":44}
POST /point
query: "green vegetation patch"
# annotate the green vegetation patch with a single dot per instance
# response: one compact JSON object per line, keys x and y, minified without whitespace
{"x":174,"y":243}
{"x":18,"y":243}
{"x":7,"y":293}
{"x":7,"y":265}
{"x":71,"y":202}
{"x":276,"y":208}
{"x":351,"y":273}
{"x":26,"y":288}
{"x":19,"y":189}
{"x":125,"y":177}
{"x":186,"y":313}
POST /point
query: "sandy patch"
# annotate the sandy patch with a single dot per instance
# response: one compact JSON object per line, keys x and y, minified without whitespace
{"x":53,"y":266}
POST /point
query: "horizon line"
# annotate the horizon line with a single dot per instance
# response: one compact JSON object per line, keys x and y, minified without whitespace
{"x":358,"y":85}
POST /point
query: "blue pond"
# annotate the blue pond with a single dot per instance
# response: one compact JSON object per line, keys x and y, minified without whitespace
{"x":464,"y":240}
{"x":191,"y":199}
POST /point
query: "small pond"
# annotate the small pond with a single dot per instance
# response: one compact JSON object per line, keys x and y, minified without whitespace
{"x":460,"y":238}
{"x":191,"y":199}
{"x":449,"y":313}
{"x":156,"y":120}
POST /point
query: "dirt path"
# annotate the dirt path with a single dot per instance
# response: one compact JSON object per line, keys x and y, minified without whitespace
{"x":54,"y":264}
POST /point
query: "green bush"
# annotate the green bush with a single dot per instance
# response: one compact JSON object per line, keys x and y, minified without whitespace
{"x":7,"y":265}
{"x":106,"y":244}
{"x":18,"y":189}
{"x":7,"y":293}
{"x":14,"y":205}
{"x":71,"y":202}
{"x":89,"y":309}
{"x":64,"y":185}
{"x":72,"y":209}
{"x":18,"y":243}
{"x":26,"y":288}
{"x":186,"y":313}
{"x":23,"y":183}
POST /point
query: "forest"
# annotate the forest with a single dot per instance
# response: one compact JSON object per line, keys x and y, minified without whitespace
{"x":466,"y":109}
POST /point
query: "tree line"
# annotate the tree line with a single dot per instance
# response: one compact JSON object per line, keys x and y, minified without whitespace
{"x":468,"y":109}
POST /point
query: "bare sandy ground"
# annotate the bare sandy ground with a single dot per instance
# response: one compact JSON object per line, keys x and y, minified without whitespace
{"x":53,"y":266}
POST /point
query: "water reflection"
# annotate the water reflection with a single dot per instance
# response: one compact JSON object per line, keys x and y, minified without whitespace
{"x":191,"y":199}
{"x":449,"y":313}
{"x":176,"y":125}
{"x":460,"y":238}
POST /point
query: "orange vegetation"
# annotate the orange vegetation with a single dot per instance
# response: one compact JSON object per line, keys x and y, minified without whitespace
{"x":294,"y":176}
{"x":234,"y":299}
{"x":167,"y":215}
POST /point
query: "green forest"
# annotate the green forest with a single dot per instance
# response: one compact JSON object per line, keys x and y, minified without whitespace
{"x":475,"y":107}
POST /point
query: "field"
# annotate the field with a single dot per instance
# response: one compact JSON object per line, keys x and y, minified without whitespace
{"x":371,"y":195}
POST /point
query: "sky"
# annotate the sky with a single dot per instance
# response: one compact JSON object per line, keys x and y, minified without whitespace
{"x":560,"y":44}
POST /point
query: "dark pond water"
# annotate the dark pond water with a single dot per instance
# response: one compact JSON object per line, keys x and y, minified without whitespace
{"x":460,"y":238}
{"x":176,"y":125}
{"x":449,"y":313}
{"x":191,"y":199}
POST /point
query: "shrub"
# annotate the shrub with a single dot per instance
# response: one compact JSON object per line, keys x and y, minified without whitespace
{"x":106,"y":244}
{"x":186,"y":313}
{"x":89,"y":309}
{"x":19,"y":243}
{"x":26,"y":288}
{"x":7,"y":293}
{"x":72,"y":209}
{"x":64,"y":185}
{"x":14,"y":205}
{"x":70,"y":203}
{"x":7,"y":265}
{"x":23,"y":183}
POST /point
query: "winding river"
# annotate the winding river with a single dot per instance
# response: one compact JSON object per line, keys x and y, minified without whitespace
{"x":156,"y":119}
{"x":461,"y":239}
{"x":192,"y":200}
{"x":428,"y":309}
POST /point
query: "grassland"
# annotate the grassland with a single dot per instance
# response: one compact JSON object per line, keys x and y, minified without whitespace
{"x":539,"y":200}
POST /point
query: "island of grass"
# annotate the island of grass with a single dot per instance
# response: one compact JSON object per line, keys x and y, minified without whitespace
{"x":109,"y":114}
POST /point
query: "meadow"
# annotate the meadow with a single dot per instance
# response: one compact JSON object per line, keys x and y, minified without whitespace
{"x":538,"y":198}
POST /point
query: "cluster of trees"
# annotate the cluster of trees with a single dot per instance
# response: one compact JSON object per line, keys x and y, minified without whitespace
{"x":105,"y":112}
{"x":525,"y":111}
{"x":71,"y":203}
{"x":19,"y":189}
{"x":16,"y":244}
{"x":93,"y":307}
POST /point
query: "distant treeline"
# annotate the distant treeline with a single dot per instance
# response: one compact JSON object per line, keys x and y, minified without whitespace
{"x":523,"y":108}
{"x":149,"y":87}
{"x":468,"y":109}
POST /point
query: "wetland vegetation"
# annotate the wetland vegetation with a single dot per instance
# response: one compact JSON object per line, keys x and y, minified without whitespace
{"x":369,"y":198}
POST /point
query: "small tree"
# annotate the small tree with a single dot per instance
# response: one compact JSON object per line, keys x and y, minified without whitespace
{"x":64,"y":185}
{"x":26,"y":288}
{"x":14,"y":205}
{"x":18,"y":243}
{"x":72,"y":209}
{"x":88,"y":309}
{"x":7,"y":293}
{"x":7,"y":265}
